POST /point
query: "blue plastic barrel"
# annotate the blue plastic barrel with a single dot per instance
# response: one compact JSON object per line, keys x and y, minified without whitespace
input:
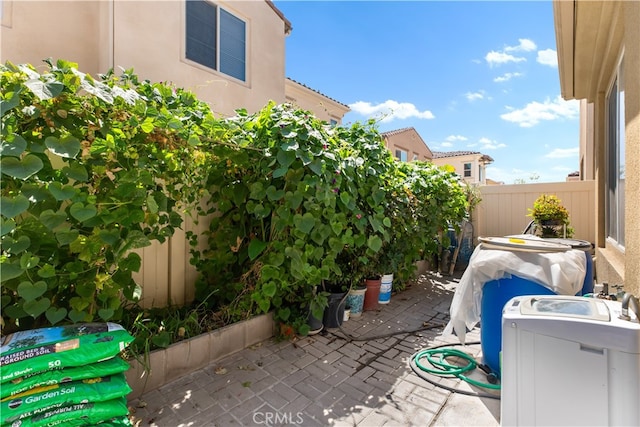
{"x":495,"y":294}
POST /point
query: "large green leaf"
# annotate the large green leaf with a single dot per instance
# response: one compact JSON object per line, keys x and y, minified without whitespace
{"x":11,"y":207}
{"x":256,"y":246}
{"x":76,"y":172}
{"x":9,"y":270}
{"x":36,"y":307}
{"x":83,"y":212}
{"x":55,"y":315}
{"x":15,"y":246}
{"x":12,"y":100}
{"x":30,"y":291}
{"x":61,"y":192}
{"x":44,"y":90}
{"x":14,"y":146}
{"x":6,"y":226}
{"x":21,"y":168}
{"x":51,"y":219}
{"x":67,"y":146}
{"x":304,"y":222}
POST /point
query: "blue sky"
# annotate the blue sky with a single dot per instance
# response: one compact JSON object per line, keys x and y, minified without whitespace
{"x":474,"y":75}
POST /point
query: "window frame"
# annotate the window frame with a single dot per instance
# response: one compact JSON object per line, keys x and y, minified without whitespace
{"x":614,"y":183}
{"x":467,"y":172}
{"x":220,"y":52}
{"x":402,"y":152}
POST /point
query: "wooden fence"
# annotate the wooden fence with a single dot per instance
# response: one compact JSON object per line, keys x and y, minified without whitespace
{"x":504,"y":208}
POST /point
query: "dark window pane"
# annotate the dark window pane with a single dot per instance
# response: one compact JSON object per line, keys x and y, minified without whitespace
{"x":201,"y":33}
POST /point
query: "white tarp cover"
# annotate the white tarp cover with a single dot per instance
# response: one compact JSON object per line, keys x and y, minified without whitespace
{"x":562,"y":272}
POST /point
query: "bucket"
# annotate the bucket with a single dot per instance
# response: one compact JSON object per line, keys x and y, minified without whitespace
{"x":315,"y":324}
{"x":587,"y":287}
{"x":495,"y":294}
{"x":372,"y":294}
{"x":355,"y":299}
{"x":334,"y":312}
{"x":385,"y":289}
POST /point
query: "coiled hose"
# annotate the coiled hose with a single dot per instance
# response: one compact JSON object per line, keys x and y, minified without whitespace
{"x":437,"y":358}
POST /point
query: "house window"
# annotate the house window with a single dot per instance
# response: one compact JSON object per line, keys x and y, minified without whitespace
{"x":481,"y":173}
{"x":415,"y":157}
{"x":467,"y":170}
{"x":215,"y":38}
{"x":615,"y":157}
{"x":333,"y":122}
{"x":401,"y":155}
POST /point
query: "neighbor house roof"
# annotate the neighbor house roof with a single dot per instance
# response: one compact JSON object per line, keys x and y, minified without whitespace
{"x":287,"y":23}
{"x":318,"y":92}
{"x":445,"y":154}
{"x":398,"y":131}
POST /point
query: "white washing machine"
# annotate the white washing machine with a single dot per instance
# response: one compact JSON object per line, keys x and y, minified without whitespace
{"x":569,"y":360}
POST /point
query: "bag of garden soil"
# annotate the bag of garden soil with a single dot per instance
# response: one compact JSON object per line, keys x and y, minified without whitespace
{"x":122,"y":421}
{"x":112,"y":366}
{"x":43,"y":399}
{"x":28,"y":352}
{"x":81,"y":414}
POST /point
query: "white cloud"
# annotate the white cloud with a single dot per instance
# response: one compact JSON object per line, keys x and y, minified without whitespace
{"x":390,"y":110}
{"x":534,"y":112}
{"x":472,"y":96}
{"x":525,"y":45}
{"x":446,"y":144}
{"x":498,"y":58}
{"x":506,"y":77}
{"x":488,"y":144}
{"x":547,"y":57}
{"x":452,"y":138}
{"x":563,"y":153}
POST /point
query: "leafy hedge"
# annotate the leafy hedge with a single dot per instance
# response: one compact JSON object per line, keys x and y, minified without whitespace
{"x":94,"y":169}
{"x":90,"y":171}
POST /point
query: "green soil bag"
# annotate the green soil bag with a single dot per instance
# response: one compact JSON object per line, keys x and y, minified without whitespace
{"x":107,"y":413}
{"x":112,"y":366}
{"x":28,"y":352}
{"x":41,"y":400}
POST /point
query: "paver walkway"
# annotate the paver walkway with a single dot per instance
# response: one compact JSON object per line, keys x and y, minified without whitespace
{"x":328,"y":379}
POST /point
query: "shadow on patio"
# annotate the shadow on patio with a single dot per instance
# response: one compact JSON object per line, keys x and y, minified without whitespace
{"x":332,"y":379}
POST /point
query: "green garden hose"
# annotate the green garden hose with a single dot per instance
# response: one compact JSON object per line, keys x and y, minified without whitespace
{"x":439,"y":366}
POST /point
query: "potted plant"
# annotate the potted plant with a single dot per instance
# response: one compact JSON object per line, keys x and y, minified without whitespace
{"x":550,"y":217}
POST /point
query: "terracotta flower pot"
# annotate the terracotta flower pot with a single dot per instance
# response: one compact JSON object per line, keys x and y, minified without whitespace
{"x":372,"y":295}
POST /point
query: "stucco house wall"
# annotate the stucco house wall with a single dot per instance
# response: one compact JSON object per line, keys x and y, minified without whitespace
{"x":149,"y":36}
{"x":477,"y":174}
{"x":409,"y":141}
{"x":592,"y":38}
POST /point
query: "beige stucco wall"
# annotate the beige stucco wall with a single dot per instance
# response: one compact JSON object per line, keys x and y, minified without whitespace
{"x":458,"y":163}
{"x":36,"y":30}
{"x":591,"y":38}
{"x":631,"y":22}
{"x":410,"y":141}
{"x":148,"y":36}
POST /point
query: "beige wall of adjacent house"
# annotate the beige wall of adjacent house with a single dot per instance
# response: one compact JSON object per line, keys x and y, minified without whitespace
{"x":458,"y":163}
{"x":410,"y":142}
{"x":324,"y":108}
{"x":148,"y":36}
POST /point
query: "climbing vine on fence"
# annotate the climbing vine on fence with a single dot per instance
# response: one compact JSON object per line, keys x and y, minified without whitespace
{"x":91,"y":170}
{"x":94,"y":169}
